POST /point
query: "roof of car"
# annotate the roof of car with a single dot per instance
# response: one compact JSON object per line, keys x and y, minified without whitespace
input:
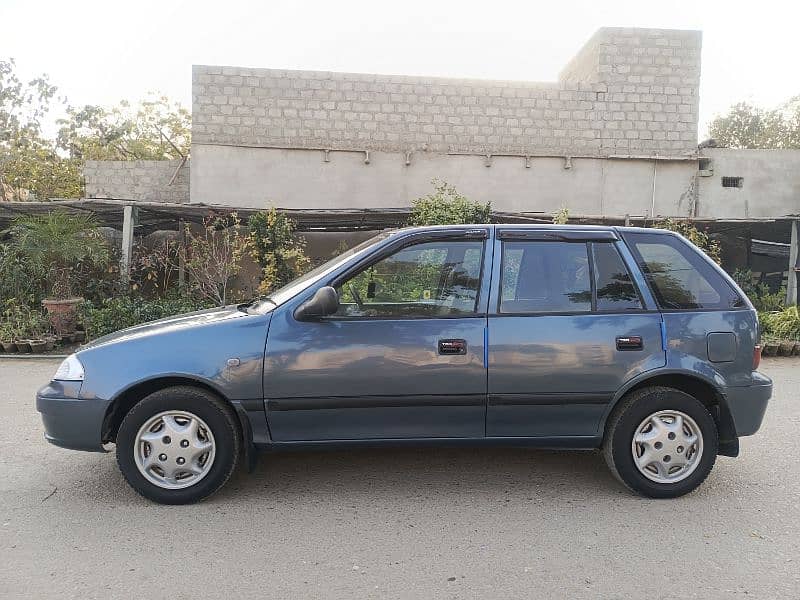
{"x":532,"y":226}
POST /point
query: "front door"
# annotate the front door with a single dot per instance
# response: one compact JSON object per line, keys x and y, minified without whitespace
{"x":402,"y":358}
{"x":569,"y":328}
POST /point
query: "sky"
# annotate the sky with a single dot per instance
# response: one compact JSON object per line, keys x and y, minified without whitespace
{"x":102,"y":52}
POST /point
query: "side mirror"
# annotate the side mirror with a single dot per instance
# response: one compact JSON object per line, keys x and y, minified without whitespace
{"x":324,"y":302}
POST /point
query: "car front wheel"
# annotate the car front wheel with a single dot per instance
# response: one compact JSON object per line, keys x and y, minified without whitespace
{"x":178,"y":445}
{"x":661,"y":442}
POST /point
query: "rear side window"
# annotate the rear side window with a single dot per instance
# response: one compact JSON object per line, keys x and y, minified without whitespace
{"x":545,"y":277}
{"x":679,"y":276}
{"x":615,"y":289}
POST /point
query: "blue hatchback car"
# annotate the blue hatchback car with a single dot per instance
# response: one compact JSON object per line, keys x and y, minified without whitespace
{"x":622,"y":339}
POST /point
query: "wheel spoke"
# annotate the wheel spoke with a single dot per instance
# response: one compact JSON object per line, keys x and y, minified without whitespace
{"x":646,"y":437}
{"x":647,"y":458}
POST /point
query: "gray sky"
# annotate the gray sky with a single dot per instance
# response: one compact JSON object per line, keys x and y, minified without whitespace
{"x":101,"y":52}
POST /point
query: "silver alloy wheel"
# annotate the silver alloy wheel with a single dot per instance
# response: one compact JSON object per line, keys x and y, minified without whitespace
{"x":667,"y":446}
{"x":174,"y":449}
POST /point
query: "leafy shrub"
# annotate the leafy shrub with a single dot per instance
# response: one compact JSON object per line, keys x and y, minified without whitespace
{"x":20,"y":321}
{"x":445,"y":206}
{"x":118,"y":313}
{"x":278,"y":250}
{"x":561,"y":217}
{"x":783,"y":325}
{"x":19,"y":278}
{"x":214,"y":256}
{"x":701,"y":239}
{"x":56,"y":244}
{"x":759,"y":293}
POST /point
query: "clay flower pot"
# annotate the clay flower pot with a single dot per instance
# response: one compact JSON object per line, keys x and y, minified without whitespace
{"x":9,"y":347}
{"x":770,"y":348}
{"x":63,"y":314}
{"x":38,"y":346}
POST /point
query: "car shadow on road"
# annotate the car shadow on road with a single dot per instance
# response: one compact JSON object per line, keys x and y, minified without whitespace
{"x":382,"y":475}
{"x":397,"y":472}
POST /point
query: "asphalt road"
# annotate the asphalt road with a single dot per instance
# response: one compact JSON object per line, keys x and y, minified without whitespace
{"x":398,"y":523}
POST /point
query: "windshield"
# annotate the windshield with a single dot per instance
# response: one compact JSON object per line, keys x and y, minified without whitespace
{"x":294,"y":287}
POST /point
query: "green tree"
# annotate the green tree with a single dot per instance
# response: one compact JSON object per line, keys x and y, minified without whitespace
{"x":446,"y":206}
{"x":30,"y":167}
{"x":153,"y":129}
{"x":277,"y":248}
{"x":749,"y":126}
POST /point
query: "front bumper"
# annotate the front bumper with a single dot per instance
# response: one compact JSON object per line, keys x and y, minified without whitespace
{"x":70,"y":421}
{"x":748,"y":404}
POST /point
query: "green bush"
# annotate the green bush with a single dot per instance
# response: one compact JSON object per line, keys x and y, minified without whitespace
{"x":447,"y":207}
{"x":277,"y":249}
{"x":783,"y":325}
{"x":759,"y":293}
{"x":118,"y":313}
{"x":19,"y":321}
{"x":699,"y":238}
{"x":56,"y":244}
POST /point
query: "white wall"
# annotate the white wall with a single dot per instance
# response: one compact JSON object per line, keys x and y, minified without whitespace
{"x":771,"y":186}
{"x":259,"y":177}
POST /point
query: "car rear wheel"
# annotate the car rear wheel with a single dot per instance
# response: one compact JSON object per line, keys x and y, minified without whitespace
{"x":178,"y":445}
{"x":661,"y":442}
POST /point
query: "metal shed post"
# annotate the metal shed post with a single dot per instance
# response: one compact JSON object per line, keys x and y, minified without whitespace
{"x":794,"y":265}
{"x":130,"y":217}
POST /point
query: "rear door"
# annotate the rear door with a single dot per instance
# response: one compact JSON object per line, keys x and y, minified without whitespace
{"x":568,"y":326}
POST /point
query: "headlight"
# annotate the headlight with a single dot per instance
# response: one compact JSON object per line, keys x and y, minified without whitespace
{"x":70,"y":370}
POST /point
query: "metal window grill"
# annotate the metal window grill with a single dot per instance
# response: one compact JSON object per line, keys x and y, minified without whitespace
{"x":732,"y":182}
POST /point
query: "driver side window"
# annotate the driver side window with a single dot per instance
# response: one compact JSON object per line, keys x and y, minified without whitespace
{"x":431,"y":279}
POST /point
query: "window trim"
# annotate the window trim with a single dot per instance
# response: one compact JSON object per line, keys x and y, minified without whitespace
{"x":593,"y":310}
{"x":459,"y":236}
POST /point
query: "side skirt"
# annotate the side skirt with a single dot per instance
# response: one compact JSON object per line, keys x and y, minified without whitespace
{"x":553,"y":443}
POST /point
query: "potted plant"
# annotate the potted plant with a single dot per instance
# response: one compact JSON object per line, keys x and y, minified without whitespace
{"x":7,"y":335}
{"x":58,"y":243}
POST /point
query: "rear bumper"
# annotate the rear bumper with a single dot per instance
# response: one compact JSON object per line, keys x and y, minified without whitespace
{"x":748,"y":404}
{"x":69,"y":422}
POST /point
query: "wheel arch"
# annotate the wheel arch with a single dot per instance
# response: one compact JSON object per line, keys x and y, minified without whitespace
{"x":126,"y":399}
{"x":695,"y":385}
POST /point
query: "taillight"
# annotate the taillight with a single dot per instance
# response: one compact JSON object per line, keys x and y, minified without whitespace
{"x":756,"y":356}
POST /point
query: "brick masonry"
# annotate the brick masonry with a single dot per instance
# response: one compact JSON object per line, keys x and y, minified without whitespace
{"x":146,"y":180}
{"x":627,"y":92}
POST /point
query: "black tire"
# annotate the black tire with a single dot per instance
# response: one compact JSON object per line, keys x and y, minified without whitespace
{"x":220,"y":420}
{"x":626,"y":418}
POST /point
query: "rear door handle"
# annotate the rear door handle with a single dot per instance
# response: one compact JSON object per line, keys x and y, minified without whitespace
{"x":452,"y":347}
{"x":630,"y":342}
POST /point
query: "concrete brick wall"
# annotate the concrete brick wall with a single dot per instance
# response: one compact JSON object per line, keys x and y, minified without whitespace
{"x":627,"y":92}
{"x":770,"y":183}
{"x":137,"y":180}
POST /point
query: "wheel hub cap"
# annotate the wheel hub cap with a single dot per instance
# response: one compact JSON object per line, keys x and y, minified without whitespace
{"x":667,"y":446}
{"x":174,"y":449}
